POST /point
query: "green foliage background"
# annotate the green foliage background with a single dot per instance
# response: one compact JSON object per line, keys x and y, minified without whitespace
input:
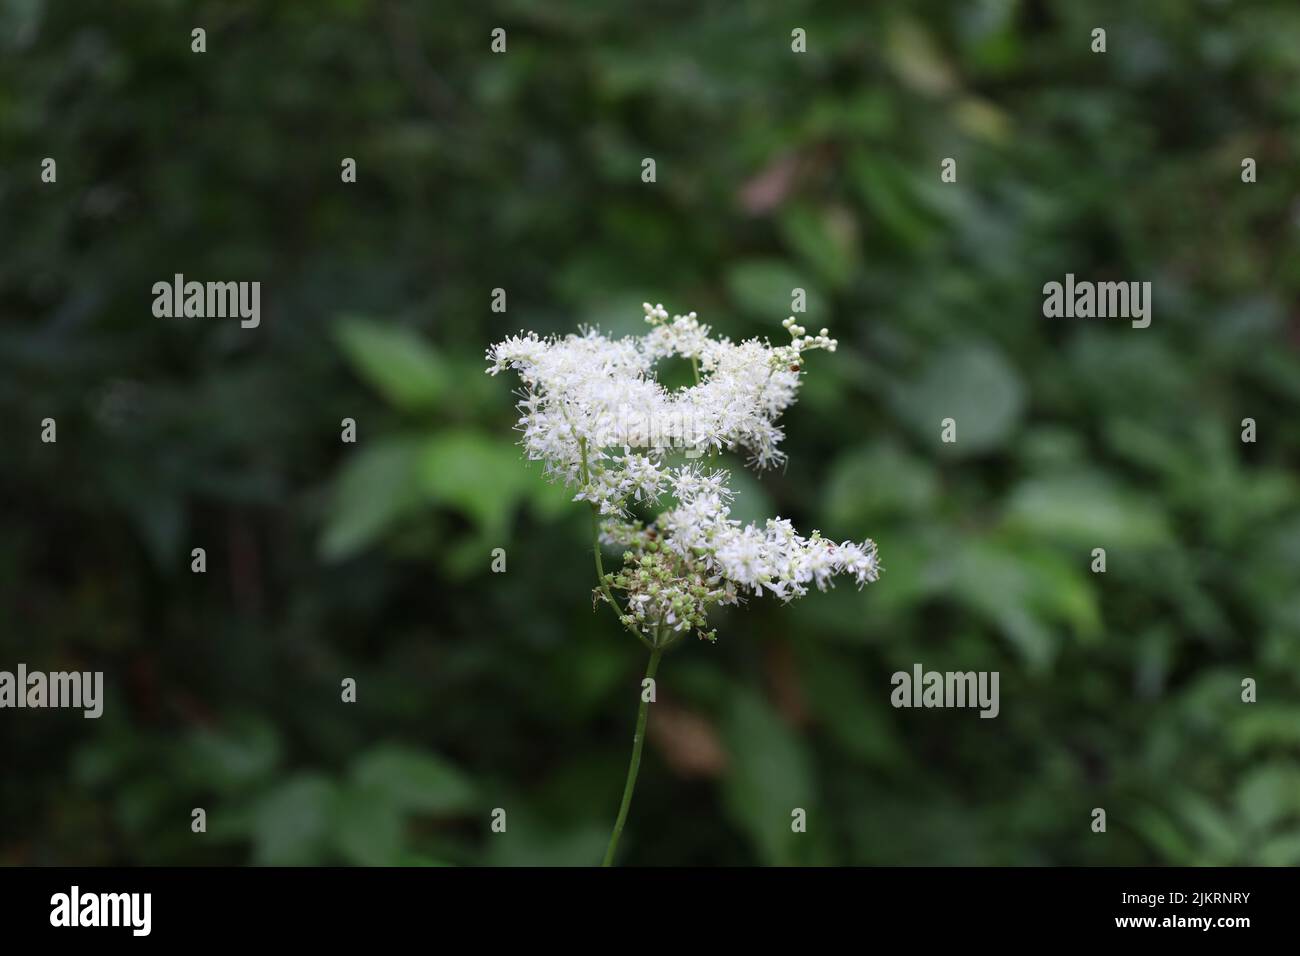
{"x":522,"y":171}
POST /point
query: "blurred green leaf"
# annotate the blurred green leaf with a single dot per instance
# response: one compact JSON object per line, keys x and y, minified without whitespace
{"x":1219,"y":839}
{"x":292,"y":822}
{"x":976,"y":387}
{"x":1282,"y":849}
{"x":765,"y":288}
{"x":364,"y":830}
{"x":1085,"y":510}
{"x":532,"y":841}
{"x":1026,"y":593}
{"x":1269,"y":795}
{"x":854,"y":715}
{"x":1262,"y":726}
{"x":918,"y":60}
{"x":235,"y":755}
{"x":378,"y":484}
{"x":826,"y":240}
{"x":480,"y":476}
{"x":412,"y":780}
{"x":875,"y":482}
{"x":768,"y":778}
{"x":396,"y":361}
{"x":893,"y":205}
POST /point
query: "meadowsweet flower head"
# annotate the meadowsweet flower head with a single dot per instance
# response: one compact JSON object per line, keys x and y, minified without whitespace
{"x":594,"y":413}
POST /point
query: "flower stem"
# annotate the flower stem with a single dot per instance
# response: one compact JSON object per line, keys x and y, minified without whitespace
{"x":656,"y":651}
{"x":601,"y":584}
{"x":637,"y":740}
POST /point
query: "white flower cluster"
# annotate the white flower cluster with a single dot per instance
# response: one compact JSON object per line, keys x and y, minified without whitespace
{"x":594,"y":413}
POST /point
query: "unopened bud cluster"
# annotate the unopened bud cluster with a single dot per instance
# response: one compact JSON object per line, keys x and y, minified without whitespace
{"x":662,"y":589}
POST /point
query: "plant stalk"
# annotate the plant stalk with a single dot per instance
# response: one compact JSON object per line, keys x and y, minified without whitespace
{"x":635,"y":765}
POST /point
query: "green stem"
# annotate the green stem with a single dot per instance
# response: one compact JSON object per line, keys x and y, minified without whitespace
{"x":604,"y":587}
{"x":656,"y":651}
{"x":637,"y":740}
{"x":600,"y":564}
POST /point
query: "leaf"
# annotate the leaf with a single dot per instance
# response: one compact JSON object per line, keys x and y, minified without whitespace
{"x":1262,"y":726}
{"x":1086,"y":509}
{"x":420,"y":859}
{"x":1025,"y":593}
{"x":233,"y":756}
{"x":397,"y":362}
{"x":365,"y":831}
{"x":1155,"y":825}
{"x":479,"y":476}
{"x":413,"y":780}
{"x":826,"y":239}
{"x":973,"y":385}
{"x":20,"y":22}
{"x":1281,"y":850}
{"x":892,"y":202}
{"x":160,"y":520}
{"x":765,"y":287}
{"x":376,"y":487}
{"x":919,"y":62}
{"x":877,"y":481}
{"x":1268,"y":795}
{"x":291,"y":823}
{"x":982,"y":119}
{"x":769,"y":777}
{"x":532,"y":841}
{"x":852,"y":712}
{"x":1218,"y":839}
